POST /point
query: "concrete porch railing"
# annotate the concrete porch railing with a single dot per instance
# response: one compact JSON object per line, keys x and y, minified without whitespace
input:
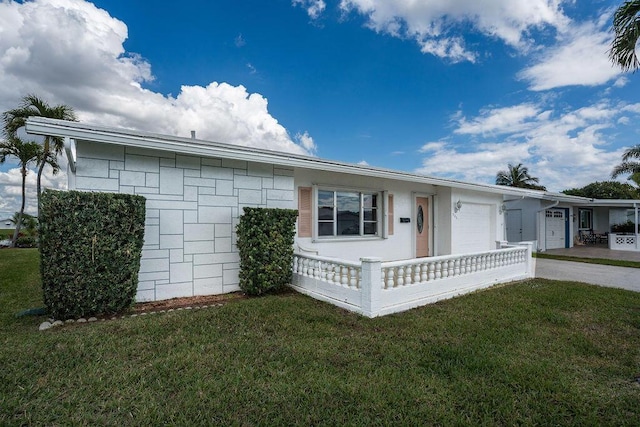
{"x":375,"y":288}
{"x":624,"y":242}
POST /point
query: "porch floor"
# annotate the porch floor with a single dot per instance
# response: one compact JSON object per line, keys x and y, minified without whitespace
{"x":599,"y":250}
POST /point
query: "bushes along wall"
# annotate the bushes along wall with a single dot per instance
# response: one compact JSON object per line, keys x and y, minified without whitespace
{"x":265,"y":243}
{"x":90,"y":248}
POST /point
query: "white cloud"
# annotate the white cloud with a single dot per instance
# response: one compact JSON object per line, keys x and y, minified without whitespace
{"x":435,"y":25}
{"x":579,"y":58}
{"x":363,"y":163}
{"x":564,"y":148}
{"x":499,"y":120}
{"x":11,"y":189}
{"x":314,"y":7}
{"x":479,"y":165}
{"x":71,"y":52}
{"x":306,"y":141}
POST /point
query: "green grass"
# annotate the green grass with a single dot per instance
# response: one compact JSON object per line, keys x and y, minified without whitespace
{"x":602,"y":261}
{"x":533,"y":353}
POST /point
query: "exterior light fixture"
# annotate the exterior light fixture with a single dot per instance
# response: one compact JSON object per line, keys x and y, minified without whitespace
{"x":502,"y":209}
{"x":457,"y":206}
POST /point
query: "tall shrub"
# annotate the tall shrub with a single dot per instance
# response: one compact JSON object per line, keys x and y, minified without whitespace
{"x":265,"y":243}
{"x":90,"y":248}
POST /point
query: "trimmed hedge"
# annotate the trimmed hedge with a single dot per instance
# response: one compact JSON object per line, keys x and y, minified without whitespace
{"x":90,"y":249}
{"x":265,"y":243}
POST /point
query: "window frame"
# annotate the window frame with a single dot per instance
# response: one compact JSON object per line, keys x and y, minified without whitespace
{"x":379,"y":209}
{"x":590,"y":221}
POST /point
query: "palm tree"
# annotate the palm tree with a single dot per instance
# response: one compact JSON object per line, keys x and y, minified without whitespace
{"x":629,"y":164}
{"x":28,"y":222}
{"x":626,"y":26}
{"x":25,"y":152}
{"x":32,"y":105}
{"x":518,"y":176}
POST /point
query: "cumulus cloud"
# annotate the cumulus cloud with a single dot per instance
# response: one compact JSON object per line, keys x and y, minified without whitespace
{"x":306,"y":141}
{"x":564,"y":148}
{"x":314,"y":7}
{"x":435,"y":25}
{"x":71,"y":52}
{"x":579,"y":58}
{"x":11,"y":189}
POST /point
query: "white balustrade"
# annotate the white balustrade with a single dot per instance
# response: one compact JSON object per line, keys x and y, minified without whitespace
{"x":422,"y":270}
{"x":372,"y":287}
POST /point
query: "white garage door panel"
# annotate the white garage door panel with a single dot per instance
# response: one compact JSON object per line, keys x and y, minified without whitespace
{"x":555,"y":225}
{"x":474,"y":222}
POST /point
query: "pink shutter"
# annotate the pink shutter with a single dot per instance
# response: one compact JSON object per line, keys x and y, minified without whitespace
{"x":304,"y":212}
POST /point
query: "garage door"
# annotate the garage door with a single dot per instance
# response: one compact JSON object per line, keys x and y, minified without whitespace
{"x":475,"y":228}
{"x":555,"y":226}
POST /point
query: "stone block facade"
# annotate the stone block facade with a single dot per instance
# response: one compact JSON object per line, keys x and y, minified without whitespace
{"x":193,"y":206}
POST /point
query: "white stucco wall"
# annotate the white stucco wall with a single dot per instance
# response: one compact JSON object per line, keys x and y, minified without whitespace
{"x":400,"y":245}
{"x":442,"y":227}
{"x":601,"y":219}
{"x":193,"y":205}
{"x":448,"y":233}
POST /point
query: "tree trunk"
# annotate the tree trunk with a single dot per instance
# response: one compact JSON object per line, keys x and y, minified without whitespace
{"x":40,"y":169}
{"x":19,"y":223}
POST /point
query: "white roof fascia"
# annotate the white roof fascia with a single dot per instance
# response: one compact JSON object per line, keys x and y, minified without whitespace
{"x":95,"y":133}
{"x":588,"y":202}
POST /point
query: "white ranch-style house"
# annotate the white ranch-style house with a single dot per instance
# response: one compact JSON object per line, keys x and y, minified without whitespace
{"x":371,"y":240}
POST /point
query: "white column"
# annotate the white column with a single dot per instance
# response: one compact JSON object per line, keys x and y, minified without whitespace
{"x":531,"y":261}
{"x":371,"y":286}
{"x":636,"y":226}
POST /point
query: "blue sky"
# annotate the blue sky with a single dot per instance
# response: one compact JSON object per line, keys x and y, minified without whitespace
{"x":444,"y":88}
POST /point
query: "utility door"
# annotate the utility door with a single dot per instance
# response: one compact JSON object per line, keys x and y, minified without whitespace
{"x":422,"y":227}
{"x":514,"y":225}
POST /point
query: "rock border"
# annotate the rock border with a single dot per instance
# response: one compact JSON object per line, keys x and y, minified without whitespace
{"x":52,"y":323}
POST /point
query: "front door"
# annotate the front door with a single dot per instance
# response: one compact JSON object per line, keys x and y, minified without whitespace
{"x":422,"y":227}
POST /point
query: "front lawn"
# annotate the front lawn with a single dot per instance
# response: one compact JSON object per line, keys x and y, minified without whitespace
{"x":601,"y":261}
{"x":535,"y":353}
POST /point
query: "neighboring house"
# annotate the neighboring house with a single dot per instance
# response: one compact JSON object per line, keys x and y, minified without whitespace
{"x":397,"y":221}
{"x":557,"y":220}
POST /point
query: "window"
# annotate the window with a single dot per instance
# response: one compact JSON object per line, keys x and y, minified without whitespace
{"x":585,"y":222}
{"x":347,"y":213}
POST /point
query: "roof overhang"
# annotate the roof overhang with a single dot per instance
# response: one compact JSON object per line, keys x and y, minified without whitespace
{"x":130,"y":138}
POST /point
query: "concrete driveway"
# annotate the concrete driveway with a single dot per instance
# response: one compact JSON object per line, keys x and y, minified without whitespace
{"x":603,"y":275}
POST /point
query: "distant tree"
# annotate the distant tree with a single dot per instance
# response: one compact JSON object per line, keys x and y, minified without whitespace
{"x":26,"y":153}
{"x":630,"y":163}
{"x":626,"y":28}
{"x":518,"y":176}
{"x":29,"y":222}
{"x":605,"y":190}
{"x":32,"y":105}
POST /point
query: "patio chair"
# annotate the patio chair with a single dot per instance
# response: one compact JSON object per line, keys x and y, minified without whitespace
{"x":603,"y":237}
{"x":587,"y":237}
